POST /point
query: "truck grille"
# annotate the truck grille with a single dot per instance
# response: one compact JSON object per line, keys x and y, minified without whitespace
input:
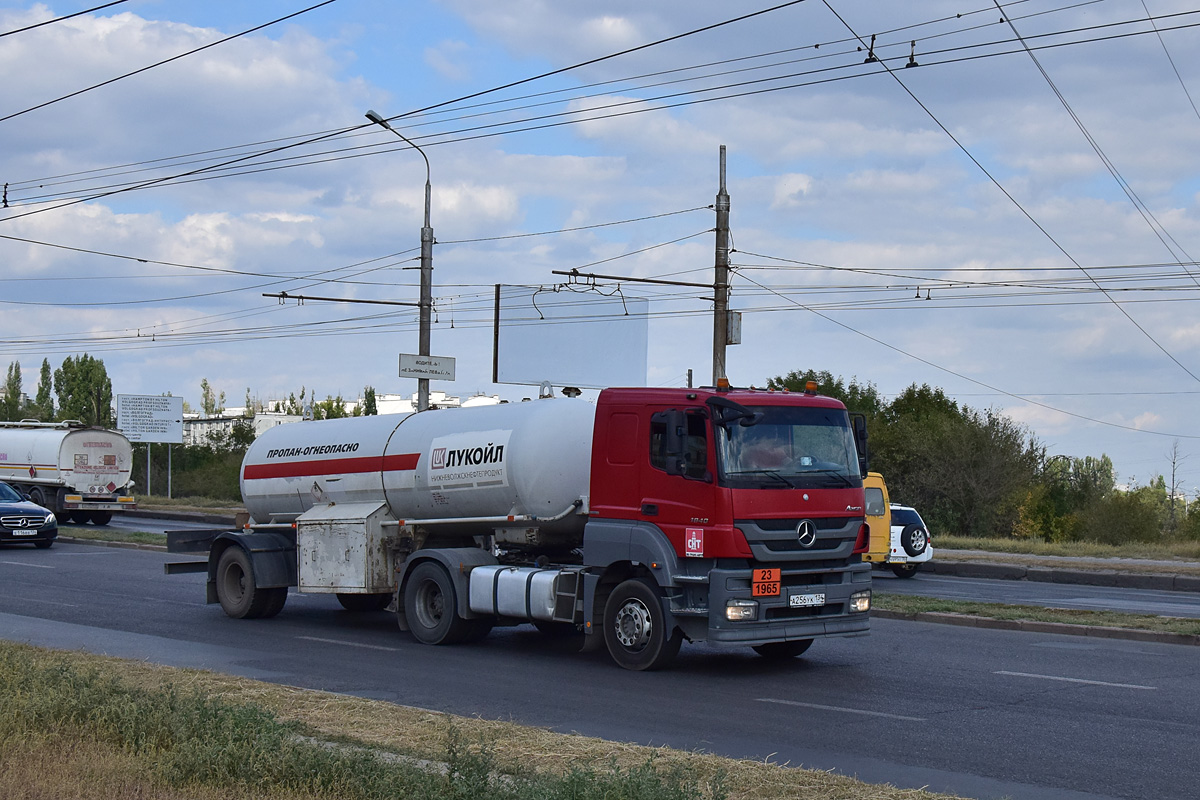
{"x":778,"y":540}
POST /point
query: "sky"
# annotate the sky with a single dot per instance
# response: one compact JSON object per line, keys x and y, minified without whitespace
{"x":1013,"y":218}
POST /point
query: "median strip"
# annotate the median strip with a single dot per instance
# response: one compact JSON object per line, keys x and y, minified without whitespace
{"x":1038,"y":619}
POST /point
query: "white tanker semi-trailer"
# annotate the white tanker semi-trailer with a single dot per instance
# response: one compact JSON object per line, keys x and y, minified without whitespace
{"x":650,"y":516}
{"x":71,"y":469}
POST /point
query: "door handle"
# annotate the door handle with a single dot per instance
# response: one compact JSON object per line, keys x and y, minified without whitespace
{"x":649,"y":510}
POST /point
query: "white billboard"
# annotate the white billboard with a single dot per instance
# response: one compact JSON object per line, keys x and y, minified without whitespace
{"x":150,"y":418}
{"x":569,"y":338}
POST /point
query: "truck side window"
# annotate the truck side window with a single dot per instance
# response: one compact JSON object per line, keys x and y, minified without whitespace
{"x":695,"y":446}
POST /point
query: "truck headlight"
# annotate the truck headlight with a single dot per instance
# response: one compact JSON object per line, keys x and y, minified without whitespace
{"x":741,"y":610}
{"x":860,"y":601}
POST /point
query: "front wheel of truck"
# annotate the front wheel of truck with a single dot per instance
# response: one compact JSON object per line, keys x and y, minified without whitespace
{"x":635,"y":627}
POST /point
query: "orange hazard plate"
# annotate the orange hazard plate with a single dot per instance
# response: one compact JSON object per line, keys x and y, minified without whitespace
{"x":765,"y":583}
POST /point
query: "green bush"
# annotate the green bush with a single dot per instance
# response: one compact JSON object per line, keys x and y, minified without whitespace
{"x":1120,"y":517}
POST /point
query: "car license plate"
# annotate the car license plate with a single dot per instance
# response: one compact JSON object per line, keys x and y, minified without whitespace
{"x":899,"y":559}
{"x":804,"y":600}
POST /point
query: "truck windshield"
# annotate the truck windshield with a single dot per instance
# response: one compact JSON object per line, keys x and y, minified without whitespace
{"x":789,"y":447}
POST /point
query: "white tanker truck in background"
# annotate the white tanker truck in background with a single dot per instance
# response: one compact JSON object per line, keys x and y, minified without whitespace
{"x":642,"y":519}
{"x":75,"y":471}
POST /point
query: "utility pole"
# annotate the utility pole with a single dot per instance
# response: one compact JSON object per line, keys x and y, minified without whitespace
{"x":426,"y":305}
{"x":721,"y":282}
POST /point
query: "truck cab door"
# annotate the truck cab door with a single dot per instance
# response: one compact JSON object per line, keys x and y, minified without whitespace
{"x":679,"y":493}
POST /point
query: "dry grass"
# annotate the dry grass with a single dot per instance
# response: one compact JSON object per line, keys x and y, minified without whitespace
{"x":1156,"y":551}
{"x":916,"y":604}
{"x":421,"y":734}
{"x":69,"y":767}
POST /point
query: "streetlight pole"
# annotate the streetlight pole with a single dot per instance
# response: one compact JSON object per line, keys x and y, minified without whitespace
{"x":426,"y":304}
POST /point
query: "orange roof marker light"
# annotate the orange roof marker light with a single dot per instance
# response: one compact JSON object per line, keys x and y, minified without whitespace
{"x":810,"y":387}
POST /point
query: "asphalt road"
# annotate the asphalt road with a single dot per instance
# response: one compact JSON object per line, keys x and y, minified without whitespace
{"x":980,"y":713}
{"x":1032,"y":593}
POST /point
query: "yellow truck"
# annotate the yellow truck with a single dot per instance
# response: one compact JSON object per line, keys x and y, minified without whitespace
{"x":899,"y":538}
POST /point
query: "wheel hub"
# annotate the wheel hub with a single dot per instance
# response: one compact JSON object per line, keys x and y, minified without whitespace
{"x":633,"y":625}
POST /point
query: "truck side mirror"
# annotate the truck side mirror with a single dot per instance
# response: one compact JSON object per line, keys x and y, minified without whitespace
{"x":859,"y":421}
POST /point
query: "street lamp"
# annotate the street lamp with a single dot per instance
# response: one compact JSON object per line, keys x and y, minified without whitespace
{"x":426,"y":304}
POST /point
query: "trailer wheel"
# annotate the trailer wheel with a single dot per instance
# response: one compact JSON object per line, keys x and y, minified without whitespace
{"x":100,"y":517}
{"x":240,"y":597}
{"x":276,"y":599}
{"x":36,"y":495}
{"x":905,"y":570}
{"x":431,"y":607}
{"x":635,"y":627}
{"x":79,"y":517}
{"x":365,"y":602}
{"x":782,"y":650}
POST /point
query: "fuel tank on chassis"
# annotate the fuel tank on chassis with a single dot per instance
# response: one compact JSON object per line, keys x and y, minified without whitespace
{"x":530,"y":458}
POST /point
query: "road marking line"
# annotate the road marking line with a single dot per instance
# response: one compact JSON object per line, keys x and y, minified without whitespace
{"x":841,"y":709}
{"x":1074,"y":680}
{"x":349,"y":644}
{"x":44,"y":602}
{"x":26,"y":564}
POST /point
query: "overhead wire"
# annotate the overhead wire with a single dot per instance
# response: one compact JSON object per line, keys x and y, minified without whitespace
{"x":164,"y":61}
{"x":1011,"y":198}
{"x":308,"y":159}
{"x":61,"y":19}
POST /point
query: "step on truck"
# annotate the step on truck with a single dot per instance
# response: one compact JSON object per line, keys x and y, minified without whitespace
{"x":78,"y":472}
{"x":641,"y":519}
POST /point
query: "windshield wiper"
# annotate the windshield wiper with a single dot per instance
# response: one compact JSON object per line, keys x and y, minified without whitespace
{"x":832,"y":473}
{"x":768,"y":472}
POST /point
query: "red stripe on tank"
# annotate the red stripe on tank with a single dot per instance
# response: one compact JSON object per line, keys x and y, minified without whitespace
{"x":332,"y":466}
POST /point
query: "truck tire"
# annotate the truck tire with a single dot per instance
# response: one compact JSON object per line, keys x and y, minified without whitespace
{"x":914,"y":539}
{"x":905,"y":570}
{"x":782,"y":650}
{"x":36,"y":495}
{"x":365,"y":602}
{"x":635,"y":627}
{"x":431,"y":606}
{"x":100,"y":517}
{"x":239,"y":596}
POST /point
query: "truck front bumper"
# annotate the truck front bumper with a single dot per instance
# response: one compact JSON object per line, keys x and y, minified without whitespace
{"x":810,"y":604}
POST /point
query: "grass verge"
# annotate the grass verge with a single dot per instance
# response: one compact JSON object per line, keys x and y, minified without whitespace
{"x":82,"y":726}
{"x":1158,"y":551}
{"x":105,"y":534}
{"x":916,"y":604}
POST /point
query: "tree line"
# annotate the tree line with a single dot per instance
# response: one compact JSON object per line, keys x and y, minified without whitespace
{"x":80,"y":390}
{"x":978,"y":473}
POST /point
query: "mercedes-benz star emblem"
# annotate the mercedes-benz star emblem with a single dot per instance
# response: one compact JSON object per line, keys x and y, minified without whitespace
{"x":807,"y":532}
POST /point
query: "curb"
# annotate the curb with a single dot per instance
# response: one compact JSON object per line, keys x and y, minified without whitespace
{"x":1029,"y":626}
{"x":1080,"y":577}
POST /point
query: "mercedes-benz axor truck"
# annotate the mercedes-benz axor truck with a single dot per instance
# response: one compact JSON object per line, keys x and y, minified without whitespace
{"x":641,"y":519}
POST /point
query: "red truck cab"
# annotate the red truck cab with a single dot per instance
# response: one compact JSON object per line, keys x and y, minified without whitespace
{"x":743,"y":507}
